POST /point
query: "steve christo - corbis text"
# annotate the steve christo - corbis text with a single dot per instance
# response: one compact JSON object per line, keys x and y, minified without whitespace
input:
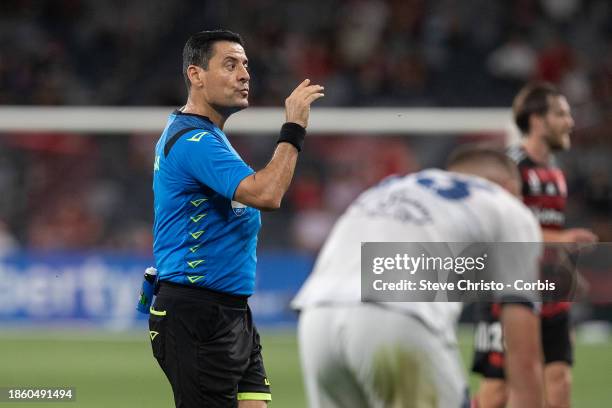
{"x":462,"y":285}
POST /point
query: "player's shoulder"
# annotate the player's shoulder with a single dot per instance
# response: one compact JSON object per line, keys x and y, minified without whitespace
{"x":185,"y":137}
{"x":494,"y":203}
{"x":516,"y":220}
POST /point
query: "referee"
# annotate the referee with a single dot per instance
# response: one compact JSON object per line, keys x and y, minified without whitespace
{"x":207,"y":203}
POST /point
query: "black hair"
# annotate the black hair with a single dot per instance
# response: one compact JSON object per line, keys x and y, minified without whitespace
{"x":198,"y":49}
{"x":532,"y":100}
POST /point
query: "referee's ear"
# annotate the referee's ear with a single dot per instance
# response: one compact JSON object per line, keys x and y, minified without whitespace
{"x":196,"y":76}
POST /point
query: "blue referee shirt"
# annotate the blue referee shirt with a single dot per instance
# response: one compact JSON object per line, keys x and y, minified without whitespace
{"x":201,"y":237}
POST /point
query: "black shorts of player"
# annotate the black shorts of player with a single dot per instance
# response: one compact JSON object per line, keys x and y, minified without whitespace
{"x":207,"y":345}
{"x":556,"y":338}
{"x":488,"y":340}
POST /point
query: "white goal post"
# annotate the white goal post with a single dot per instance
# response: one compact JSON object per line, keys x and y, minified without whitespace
{"x":261,"y":121}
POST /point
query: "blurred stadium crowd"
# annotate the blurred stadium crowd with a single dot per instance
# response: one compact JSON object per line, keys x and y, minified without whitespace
{"x":64,"y":191}
{"x":367,"y":52}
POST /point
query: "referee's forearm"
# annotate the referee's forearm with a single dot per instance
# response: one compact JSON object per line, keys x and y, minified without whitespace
{"x":265,"y":189}
{"x":278,"y":173}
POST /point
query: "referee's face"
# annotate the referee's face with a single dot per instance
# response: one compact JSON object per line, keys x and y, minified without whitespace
{"x":226,"y":81}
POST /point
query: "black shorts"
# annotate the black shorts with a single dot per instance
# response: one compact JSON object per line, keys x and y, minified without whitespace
{"x":207,"y":345}
{"x":488,"y":341}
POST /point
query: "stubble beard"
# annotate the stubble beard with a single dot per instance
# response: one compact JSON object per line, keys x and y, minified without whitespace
{"x":229,"y":109}
{"x":557,"y":142}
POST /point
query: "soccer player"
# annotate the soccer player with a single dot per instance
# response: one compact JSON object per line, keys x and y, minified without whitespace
{"x":543,"y":116}
{"x":404,"y":354}
{"x":207,"y":203}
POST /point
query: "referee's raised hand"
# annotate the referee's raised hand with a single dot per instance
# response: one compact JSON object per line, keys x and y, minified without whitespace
{"x":297,"y":105}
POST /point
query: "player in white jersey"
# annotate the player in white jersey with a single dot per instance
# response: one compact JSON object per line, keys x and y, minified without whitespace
{"x":404,"y":354}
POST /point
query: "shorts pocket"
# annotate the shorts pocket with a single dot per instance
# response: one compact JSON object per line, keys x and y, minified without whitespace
{"x":157,"y":332}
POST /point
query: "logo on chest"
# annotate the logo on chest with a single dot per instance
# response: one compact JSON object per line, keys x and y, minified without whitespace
{"x":550,"y":182}
{"x":238,"y":208}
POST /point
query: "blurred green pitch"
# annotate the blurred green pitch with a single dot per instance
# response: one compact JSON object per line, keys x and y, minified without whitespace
{"x":117,"y":369}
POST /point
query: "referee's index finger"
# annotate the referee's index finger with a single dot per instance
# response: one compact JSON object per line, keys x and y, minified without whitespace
{"x":309,"y":90}
{"x":300,"y":87}
{"x":303,"y":84}
{"x":313,"y":88}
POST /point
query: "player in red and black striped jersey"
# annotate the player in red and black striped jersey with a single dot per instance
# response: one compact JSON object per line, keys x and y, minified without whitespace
{"x":544,"y":118}
{"x":545,"y":193}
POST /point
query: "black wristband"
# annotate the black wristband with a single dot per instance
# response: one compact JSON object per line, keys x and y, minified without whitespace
{"x":292,"y":133}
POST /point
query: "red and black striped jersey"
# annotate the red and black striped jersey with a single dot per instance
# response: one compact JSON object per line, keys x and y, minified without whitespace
{"x":544,"y":188}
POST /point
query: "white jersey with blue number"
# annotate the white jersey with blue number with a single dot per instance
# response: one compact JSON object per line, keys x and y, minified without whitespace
{"x":428,"y":206}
